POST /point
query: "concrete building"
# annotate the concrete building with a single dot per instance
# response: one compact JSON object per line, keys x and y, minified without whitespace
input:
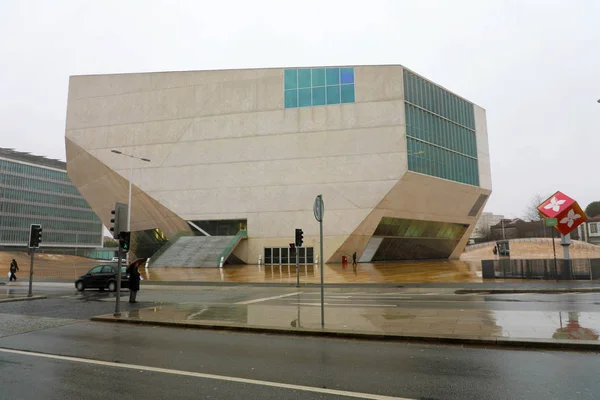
{"x":484,"y":224}
{"x":402,"y":164}
{"x":37,"y":190}
{"x":590,"y":230}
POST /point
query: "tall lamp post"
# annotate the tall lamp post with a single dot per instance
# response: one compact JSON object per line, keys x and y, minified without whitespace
{"x":131,"y":157}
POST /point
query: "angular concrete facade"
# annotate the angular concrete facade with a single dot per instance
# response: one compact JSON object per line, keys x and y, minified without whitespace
{"x":224,"y":146}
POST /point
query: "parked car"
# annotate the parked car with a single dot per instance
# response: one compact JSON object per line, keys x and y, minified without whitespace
{"x":102,"y":277}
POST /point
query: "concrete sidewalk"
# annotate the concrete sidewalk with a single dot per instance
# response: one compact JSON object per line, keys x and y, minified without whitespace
{"x":535,"y":329}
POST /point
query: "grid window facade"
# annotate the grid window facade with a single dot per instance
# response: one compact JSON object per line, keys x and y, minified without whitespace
{"x":307,"y":87}
{"x":440,"y":131}
{"x":32,"y":194}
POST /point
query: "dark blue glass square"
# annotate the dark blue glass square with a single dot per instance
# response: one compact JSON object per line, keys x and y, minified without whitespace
{"x":346,"y":75}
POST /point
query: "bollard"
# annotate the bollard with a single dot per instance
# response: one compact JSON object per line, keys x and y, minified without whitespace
{"x":221,"y":263}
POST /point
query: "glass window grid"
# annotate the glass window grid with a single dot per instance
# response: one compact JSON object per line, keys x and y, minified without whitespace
{"x":441,"y":140}
{"x":436,"y":161}
{"x":283,"y":256}
{"x":327,"y":86}
{"x":429,"y":127}
{"x":437,"y":100}
{"x":30,"y":170}
{"x":30,"y":194}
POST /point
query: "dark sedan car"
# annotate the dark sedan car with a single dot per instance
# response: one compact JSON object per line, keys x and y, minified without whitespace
{"x":102,"y":277}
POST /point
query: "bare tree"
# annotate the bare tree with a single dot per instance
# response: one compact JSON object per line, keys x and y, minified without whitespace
{"x":531,"y":211}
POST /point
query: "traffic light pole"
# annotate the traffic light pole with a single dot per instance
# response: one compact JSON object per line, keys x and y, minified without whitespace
{"x":118,"y":291}
{"x":30,"y":293}
{"x":297,"y":267}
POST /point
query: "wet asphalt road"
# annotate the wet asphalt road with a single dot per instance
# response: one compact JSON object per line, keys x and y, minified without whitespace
{"x":58,"y":325}
{"x":393,"y":369}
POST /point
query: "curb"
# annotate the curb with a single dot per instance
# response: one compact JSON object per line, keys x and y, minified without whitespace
{"x":9,"y":300}
{"x":554,"y":344}
{"x":538,"y":291}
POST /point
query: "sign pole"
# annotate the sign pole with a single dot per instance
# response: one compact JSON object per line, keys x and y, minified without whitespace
{"x":322,"y":281}
{"x":554,"y":249}
{"x":29,"y":294}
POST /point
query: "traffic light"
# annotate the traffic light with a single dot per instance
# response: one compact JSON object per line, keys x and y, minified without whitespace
{"x":299,"y":238}
{"x":119,"y":220}
{"x":114,"y":223}
{"x":124,"y":241}
{"x":35,"y":236}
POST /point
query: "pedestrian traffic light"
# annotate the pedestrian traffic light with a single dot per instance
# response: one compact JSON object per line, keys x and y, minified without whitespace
{"x":299,"y":238}
{"x":124,"y":241}
{"x":35,"y":236}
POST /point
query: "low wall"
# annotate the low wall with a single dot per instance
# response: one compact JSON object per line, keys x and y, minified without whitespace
{"x":546,"y":269}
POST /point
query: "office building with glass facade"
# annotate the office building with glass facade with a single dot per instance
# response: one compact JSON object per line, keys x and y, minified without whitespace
{"x":37,"y":190}
{"x":402,"y":163}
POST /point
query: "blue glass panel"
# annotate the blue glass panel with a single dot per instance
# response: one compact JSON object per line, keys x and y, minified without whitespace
{"x":291,"y":78}
{"x":347,"y":94}
{"x":333,"y":94}
{"x":333,"y":76}
{"x":303,"y":78}
{"x":318,"y":96}
{"x":346,"y":75}
{"x":291,"y":98}
{"x":318,"y":77}
{"x":304,"y":98}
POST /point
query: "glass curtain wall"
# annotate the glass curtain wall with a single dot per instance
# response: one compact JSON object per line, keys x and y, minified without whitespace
{"x":440,"y":132}
{"x":35,"y":194}
{"x":406,"y":239}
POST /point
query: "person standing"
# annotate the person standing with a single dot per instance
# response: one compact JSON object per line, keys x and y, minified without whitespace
{"x":354,"y":264}
{"x":14,"y":267}
{"x":134,"y":282}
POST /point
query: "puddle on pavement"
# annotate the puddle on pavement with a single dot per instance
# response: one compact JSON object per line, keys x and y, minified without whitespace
{"x":397,"y":272}
{"x":477,"y":323}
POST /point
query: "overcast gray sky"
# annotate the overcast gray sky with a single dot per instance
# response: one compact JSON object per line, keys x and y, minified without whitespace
{"x":533,"y":65}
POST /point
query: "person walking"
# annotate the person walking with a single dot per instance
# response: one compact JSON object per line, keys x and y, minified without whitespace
{"x":134,"y":282}
{"x":14,"y":267}
{"x":354,"y":264}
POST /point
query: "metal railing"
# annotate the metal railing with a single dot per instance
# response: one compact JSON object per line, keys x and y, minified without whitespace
{"x":545,"y":269}
{"x":242,"y":233}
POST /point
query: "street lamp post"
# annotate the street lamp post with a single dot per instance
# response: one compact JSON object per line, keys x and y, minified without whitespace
{"x":131,"y":157}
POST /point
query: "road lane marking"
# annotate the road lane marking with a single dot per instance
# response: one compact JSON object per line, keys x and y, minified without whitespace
{"x":346,"y":304}
{"x":269,"y":298}
{"x":206,"y":376}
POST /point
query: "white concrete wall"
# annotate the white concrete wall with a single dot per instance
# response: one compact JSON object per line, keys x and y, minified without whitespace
{"x":223,"y":146}
{"x":483,"y":148}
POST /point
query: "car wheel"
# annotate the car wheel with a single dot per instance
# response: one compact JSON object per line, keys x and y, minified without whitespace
{"x":80,"y":286}
{"x":112,"y":286}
